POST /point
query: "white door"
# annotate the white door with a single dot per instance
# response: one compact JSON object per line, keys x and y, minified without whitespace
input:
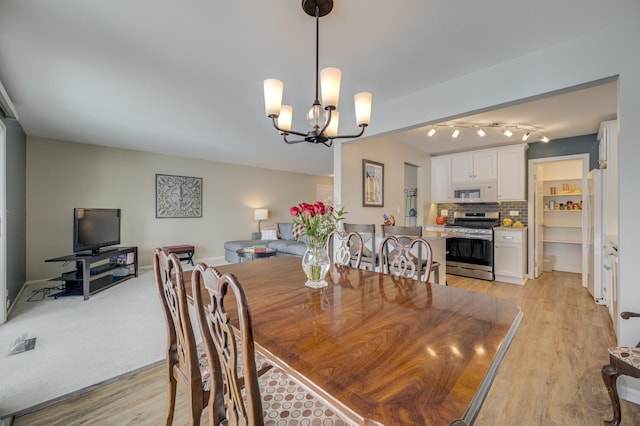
{"x":538,"y":247}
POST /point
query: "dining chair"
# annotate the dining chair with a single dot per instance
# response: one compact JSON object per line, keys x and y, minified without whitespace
{"x":186,"y":361}
{"x":369,"y":248}
{"x":406,"y":256}
{"x":345,"y":248}
{"x":228,"y":337}
{"x":623,"y":361}
{"x":412,"y":231}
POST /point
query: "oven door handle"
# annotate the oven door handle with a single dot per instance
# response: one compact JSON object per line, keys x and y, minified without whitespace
{"x":474,"y":237}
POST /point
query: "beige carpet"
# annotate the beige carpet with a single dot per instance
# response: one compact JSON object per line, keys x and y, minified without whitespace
{"x":79,"y":343}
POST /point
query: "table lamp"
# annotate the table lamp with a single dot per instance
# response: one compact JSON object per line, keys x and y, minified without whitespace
{"x":260,"y":215}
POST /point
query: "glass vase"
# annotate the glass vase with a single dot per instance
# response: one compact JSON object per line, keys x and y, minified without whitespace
{"x":315,"y":263}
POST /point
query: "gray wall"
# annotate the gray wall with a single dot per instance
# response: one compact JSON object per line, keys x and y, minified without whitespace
{"x":567,"y":146}
{"x":16,"y":206}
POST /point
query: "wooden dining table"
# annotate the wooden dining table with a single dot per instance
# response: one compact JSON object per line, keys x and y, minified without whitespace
{"x":379,"y":349}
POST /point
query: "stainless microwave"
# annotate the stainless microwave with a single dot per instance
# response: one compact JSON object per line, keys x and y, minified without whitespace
{"x":480,"y":193}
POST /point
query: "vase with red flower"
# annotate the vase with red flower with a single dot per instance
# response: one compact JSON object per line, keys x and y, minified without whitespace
{"x":315,"y":222}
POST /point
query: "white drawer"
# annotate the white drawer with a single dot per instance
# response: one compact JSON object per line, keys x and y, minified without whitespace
{"x":501,"y":236}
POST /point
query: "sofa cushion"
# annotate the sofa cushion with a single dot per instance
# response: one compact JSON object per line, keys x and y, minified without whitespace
{"x":296,"y":249}
{"x":282,"y":245}
{"x":286,"y":231}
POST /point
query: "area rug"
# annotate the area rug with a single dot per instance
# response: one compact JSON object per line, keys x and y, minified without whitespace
{"x":79,"y":343}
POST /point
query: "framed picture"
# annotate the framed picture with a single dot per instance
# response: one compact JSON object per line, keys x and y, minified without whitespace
{"x":372,"y":184}
{"x":178,"y":196}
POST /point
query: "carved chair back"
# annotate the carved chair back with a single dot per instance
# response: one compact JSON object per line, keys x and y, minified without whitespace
{"x":223,"y":349}
{"x":406,"y":256}
{"x":345,"y":248}
{"x":369,"y":248}
{"x":182,"y":352}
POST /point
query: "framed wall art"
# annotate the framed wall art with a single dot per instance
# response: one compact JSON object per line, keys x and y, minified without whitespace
{"x":178,"y":196}
{"x":372,"y":184}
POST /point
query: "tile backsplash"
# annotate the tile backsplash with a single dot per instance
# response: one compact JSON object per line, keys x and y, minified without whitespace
{"x":504,"y":208}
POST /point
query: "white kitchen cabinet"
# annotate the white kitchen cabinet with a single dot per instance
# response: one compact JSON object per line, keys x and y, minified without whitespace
{"x":475,"y":166}
{"x":440,"y":179}
{"x":509,"y":261}
{"x":511,"y":173}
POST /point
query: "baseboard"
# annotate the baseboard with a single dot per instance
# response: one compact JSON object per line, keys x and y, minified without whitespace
{"x":14,"y":302}
{"x":6,"y":421}
{"x":629,"y":389}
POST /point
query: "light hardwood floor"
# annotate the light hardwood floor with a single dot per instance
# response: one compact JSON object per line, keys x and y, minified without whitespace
{"x":550,"y":375}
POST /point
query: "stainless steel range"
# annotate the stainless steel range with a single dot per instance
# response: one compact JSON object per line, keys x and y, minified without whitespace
{"x":470,"y":244}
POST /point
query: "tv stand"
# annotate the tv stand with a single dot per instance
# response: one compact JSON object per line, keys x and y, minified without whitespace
{"x":98,"y":277}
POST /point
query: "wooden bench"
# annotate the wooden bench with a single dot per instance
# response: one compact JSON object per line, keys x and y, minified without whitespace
{"x":184,"y":252}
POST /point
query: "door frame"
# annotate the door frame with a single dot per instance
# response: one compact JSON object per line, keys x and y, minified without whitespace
{"x":533,"y":205}
{"x":3,"y":224}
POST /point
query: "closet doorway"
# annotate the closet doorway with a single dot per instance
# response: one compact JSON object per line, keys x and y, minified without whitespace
{"x":559,"y":215}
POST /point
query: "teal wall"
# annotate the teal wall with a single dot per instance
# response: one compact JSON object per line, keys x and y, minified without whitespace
{"x":567,"y":146}
{"x":16,"y":218}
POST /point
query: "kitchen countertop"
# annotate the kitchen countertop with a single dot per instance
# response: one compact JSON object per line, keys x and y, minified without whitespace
{"x":434,"y":235}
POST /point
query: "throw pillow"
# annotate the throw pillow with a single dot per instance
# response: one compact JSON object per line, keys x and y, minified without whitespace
{"x":269,"y":234}
{"x":273,"y":227}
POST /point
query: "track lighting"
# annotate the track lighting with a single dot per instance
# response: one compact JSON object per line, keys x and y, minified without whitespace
{"x":489,"y":130}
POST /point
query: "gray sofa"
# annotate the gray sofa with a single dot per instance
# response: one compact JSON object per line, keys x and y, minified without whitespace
{"x":286,"y":245}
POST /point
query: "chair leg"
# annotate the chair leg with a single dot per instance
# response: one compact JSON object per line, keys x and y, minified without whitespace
{"x":610,"y":377}
{"x":171,"y":401}
{"x":196,"y":405}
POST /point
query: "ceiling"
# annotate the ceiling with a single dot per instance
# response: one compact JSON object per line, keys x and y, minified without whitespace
{"x":185,"y":77}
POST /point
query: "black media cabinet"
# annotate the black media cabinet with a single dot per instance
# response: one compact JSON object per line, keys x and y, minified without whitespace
{"x":101,"y":275}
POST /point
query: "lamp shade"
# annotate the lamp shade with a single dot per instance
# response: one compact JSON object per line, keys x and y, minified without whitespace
{"x":362,"y":102}
{"x":286,"y":116}
{"x":332,"y":130}
{"x":261,"y":214}
{"x":273,"y":96}
{"x":330,"y":85}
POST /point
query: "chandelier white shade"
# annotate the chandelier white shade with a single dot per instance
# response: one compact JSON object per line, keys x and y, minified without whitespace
{"x":322,"y":117}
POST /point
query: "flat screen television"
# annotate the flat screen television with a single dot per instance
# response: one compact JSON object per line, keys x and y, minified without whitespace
{"x":94,"y":229}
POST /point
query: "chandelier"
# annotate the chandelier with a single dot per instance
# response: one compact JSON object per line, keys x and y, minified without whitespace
{"x":519,"y":130}
{"x":323,"y":117}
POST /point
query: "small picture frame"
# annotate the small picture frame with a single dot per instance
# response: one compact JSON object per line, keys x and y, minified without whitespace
{"x":372,"y":184}
{"x":178,"y":196}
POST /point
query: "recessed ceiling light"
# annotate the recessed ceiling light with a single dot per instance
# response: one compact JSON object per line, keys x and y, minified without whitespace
{"x":526,"y":136}
{"x":455,"y":133}
{"x":481,"y":133}
{"x":508,"y":133}
{"x":432,"y":132}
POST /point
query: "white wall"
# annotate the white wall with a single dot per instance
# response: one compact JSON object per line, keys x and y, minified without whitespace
{"x":393,"y":156}
{"x":64,"y":175}
{"x":602,"y":54}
